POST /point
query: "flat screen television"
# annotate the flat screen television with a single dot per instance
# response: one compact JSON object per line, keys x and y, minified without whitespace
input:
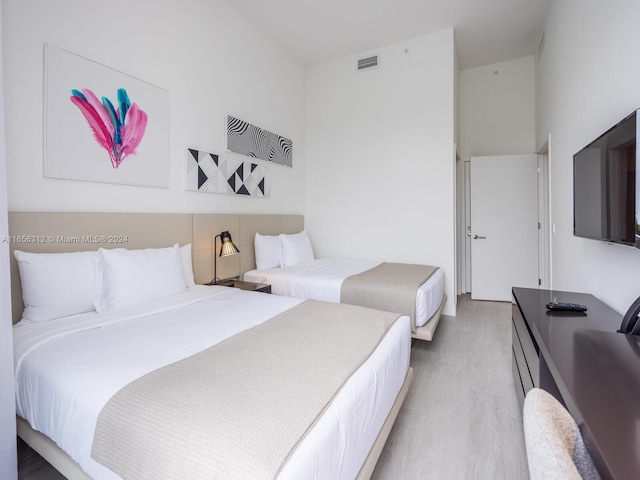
{"x":604,"y":186}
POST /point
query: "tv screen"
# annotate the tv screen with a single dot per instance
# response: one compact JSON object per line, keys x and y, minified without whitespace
{"x":604,"y":186}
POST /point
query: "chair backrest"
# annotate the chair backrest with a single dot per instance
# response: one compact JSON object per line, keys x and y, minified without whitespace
{"x":555,"y":449}
{"x":630,"y":322}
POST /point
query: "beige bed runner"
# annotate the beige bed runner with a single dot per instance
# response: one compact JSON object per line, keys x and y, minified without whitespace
{"x":392,"y":287}
{"x":238,"y":409}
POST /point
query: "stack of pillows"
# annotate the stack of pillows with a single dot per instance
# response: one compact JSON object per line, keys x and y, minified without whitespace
{"x":278,"y":251}
{"x":56,"y":285}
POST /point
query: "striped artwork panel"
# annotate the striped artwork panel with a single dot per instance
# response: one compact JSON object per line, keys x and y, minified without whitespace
{"x":247,"y":139}
{"x":208,"y":172}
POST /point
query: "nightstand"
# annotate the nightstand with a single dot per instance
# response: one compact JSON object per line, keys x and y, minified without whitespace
{"x":253,"y":287}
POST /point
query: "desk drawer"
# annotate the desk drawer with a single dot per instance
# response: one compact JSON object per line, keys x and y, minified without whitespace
{"x":517,"y":380}
{"x":527,"y":344}
{"x":521,"y":371}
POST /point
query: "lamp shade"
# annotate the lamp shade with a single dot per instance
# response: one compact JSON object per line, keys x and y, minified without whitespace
{"x":227,"y":246}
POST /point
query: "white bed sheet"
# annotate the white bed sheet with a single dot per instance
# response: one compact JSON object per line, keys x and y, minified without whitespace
{"x":322,"y":279}
{"x":66,"y":370}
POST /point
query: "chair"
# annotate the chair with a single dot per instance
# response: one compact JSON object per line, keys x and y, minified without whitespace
{"x":630,"y":322}
{"x":555,"y":449}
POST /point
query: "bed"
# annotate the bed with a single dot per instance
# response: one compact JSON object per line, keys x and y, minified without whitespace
{"x":287,"y":263}
{"x":80,"y":369}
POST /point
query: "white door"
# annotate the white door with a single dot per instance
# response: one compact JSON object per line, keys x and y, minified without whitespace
{"x":504,"y":225}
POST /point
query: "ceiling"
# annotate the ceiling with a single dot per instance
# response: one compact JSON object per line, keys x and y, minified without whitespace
{"x":315,"y":31}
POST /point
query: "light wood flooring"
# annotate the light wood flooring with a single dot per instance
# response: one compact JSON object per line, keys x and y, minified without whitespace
{"x":460,"y":420}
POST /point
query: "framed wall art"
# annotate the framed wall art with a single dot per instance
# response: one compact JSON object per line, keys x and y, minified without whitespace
{"x":102,"y":125}
{"x":208,"y":172}
{"x":247,"y":139}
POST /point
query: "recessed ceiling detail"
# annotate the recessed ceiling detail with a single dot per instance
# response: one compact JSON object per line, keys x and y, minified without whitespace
{"x":486,"y":32}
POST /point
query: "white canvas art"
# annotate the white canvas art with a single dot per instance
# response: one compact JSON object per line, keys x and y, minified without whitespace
{"x":208,"y":172}
{"x":252,"y":141}
{"x":103,"y":125}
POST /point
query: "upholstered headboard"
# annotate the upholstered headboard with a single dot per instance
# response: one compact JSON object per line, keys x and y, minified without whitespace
{"x":56,"y":232}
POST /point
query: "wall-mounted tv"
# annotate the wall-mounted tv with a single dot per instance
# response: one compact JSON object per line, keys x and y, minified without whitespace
{"x":604,"y":186}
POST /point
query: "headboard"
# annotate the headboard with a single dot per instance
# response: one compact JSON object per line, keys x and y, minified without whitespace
{"x":57,"y":232}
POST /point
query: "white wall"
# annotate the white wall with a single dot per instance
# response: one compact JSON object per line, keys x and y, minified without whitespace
{"x":496,"y":117}
{"x":587,"y":80}
{"x":8,"y":460}
{"x":380,"y":159}
{"x":497,"y":109}
{"x":210,"y":59}
{"x":212,"y":62}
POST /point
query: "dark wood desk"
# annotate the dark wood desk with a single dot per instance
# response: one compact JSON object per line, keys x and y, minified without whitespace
{"x":592,"y":370}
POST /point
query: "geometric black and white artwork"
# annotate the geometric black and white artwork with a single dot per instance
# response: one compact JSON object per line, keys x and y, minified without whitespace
{"x":208,"y":172}
{"x":247,"y":139}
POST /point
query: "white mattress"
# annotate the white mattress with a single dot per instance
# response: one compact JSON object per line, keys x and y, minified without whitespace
{"x":66,"y":370}
{"x":322,"y":279}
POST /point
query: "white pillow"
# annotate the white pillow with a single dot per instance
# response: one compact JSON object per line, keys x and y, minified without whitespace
{"x":187,"y":265}
{"x":296,"y":249}
{"x":131,"y":277}
{"x":56,"y":285}
{"x":98,"y":291}
{"x":267,"y":250}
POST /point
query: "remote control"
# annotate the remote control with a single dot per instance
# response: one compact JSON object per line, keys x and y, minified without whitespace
{"x":574,"y":307}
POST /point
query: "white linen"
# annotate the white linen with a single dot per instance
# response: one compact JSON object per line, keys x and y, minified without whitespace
{"x":56,"y":285}
{"x":68,"y":369}
{"x":322,"y":280}
{"x":187,"y":265}
{"x":268,"y":252}
{"x":131,"y":277}
{"x":296,"y":248}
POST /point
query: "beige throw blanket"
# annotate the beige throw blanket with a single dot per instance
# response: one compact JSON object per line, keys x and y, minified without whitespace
{"x":392,"y":287}
{"x":238,"y":409}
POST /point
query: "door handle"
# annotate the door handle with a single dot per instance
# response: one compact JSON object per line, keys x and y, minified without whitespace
{"x":476,"y":237}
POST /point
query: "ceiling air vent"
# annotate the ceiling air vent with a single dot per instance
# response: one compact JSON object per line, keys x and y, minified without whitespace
{"x":367,"y":63}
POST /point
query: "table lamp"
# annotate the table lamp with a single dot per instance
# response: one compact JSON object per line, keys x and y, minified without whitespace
{"x":227,"y":247}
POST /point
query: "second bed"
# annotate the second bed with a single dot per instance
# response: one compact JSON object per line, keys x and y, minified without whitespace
{"x":322,"y":279}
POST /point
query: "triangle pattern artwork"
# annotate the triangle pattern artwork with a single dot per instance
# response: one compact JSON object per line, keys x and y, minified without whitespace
{"x":211,"y":173}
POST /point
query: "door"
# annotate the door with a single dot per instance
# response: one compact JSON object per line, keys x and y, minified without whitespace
{"x":504,"y":225}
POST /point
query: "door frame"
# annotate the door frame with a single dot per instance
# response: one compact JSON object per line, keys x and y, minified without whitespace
{"x":544,"y":218}
{"x":544,"y":215}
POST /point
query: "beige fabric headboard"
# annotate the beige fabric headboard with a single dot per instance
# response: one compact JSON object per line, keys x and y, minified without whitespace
{"x":56,"y":232}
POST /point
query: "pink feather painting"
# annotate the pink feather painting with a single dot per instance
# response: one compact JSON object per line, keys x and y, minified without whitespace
{"x":118,"y":130}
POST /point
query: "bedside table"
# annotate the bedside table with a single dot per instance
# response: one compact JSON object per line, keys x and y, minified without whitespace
{"x":253,"y":287}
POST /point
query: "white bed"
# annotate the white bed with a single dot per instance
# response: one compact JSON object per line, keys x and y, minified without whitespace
{"x":321,"y":279}
{"x":70,"y":359}
{"x":67,"y":369}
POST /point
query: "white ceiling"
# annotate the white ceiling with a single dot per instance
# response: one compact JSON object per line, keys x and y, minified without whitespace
{"x":314,"y":31}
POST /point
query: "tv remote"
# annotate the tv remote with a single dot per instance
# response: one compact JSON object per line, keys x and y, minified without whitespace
{"x":574,"y":307}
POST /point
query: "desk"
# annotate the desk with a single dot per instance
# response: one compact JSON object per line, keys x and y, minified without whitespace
{"x":591,"y":369}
